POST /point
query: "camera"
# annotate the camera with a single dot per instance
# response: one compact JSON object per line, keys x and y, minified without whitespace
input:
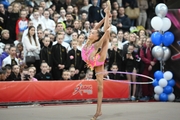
{"x":26,"y":76}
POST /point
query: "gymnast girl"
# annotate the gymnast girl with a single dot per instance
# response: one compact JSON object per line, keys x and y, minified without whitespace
{"x":94,"y":54}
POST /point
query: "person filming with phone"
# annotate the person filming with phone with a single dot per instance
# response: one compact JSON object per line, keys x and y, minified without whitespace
{"x":28,"y":74}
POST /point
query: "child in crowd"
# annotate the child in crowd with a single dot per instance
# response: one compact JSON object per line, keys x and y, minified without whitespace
{"x":19,"y":53}
{"x":59,"y":56}
{"x":8,"y":70}
{"x":31,"y":74}
{"x":89,"y":75}
{"x":44,"y":75}
{"x":2,"y":75}
{"x":45,"y":52}
{"x":114,"y":75}
{"x":22,"y":23}
{"x":81,"y":39}
{"x":82,"y":76}
{"x":66,"y":75}
{"x":16,"y":76}
{"x":74,"y":76}
{"x":74,"y":58}
{"x":5,"y":37}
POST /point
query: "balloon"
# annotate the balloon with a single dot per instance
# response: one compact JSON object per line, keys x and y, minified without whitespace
{"x":171,"y":97}
{"x":158,"y":90}
{"x":161,"y":10}
{"x":156,"y":96}
{"x":167,"y":53}
{"x":158,"y":75}
{"x":168,"y":75}
{"x":156,"y":23}
{"x":168,"y":38}
{"x":166,"y":24}
{"x":163,"y":97}
{"x":156,"y":38}
{"x":163,"y":82}
{"x":171,"y":83}
{"x":155,"y":83}
{"x":158,"y":52}
{"x":168,"y":90}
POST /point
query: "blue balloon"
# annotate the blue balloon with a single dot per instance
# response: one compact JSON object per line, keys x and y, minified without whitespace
{"x":167,"y":90}
{"x":168,"y":38}
{"x":155,"y":83}
{"x":171,"y":82}
{"x":156,"y":38}
{"x":158,"y":75}
{"x":163,"y":97}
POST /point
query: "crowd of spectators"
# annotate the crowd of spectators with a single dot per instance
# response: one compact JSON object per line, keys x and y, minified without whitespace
{"x":55,"y":32}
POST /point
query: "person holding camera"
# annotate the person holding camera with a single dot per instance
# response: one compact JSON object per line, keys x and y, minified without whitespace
{"x":28,"y":74}
{"x":115,"y":55}
{"x":131,"y":67}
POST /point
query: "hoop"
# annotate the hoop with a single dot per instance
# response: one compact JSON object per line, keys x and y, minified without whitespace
{"x":152,"y":80}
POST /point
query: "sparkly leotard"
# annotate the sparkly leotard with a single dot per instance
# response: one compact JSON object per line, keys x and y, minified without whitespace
{"x":91,"y":62}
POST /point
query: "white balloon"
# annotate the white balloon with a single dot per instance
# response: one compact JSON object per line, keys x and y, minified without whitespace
{"x":156,"y":23}
{"x":161,"y":10}
{"x":166,"y":24}
{"x":171,"y":97}
{"x":168,"y":75}
{"x":163,"y":82}
{"x":156,"y":96}
{"x":158,"y":90}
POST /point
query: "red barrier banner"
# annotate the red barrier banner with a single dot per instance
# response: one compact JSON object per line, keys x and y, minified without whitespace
{"x":27,"y":91}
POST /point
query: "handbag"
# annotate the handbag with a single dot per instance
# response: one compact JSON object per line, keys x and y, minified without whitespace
{"x":30,"y":58}
{"x":132,"y":13}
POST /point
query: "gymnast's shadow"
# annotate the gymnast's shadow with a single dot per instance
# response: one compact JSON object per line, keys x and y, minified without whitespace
{"x":104,"y":116}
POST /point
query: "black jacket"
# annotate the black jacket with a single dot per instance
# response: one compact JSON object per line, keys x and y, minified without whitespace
{"x":59,"y":55}
{"x":126,"y":23}
{"x":45,"y":55}
{"x":115,"y":57}
{"x":94,"y":14}
{"x":47,"y":76}
{"x":76,"y":61}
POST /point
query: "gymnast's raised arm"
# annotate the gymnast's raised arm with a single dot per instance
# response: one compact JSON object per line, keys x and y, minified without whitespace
{"x":99,"y":24}
{"x":103,"y":38}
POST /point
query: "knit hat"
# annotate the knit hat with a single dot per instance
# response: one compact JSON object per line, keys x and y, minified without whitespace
{"x":3,"y":31}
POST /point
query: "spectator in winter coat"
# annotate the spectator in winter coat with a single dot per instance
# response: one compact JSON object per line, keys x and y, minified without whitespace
{"x":4,"y":54}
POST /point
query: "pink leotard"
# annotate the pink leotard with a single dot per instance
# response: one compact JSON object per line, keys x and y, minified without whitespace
{"x":91,"y":62}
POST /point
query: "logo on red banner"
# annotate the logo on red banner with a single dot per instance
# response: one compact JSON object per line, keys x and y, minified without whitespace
{"x":80,"y":88}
